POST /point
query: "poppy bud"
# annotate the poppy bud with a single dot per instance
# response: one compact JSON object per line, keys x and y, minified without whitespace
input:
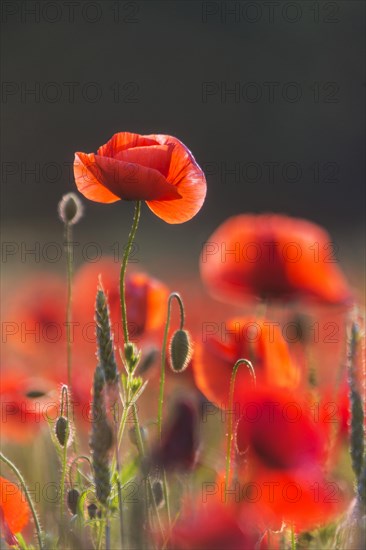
{"x":72,"y":500}
{"x":92,"y":510}
{"x":34,"y":394}
{"x":61,"y":430}
{"x":70,"y":209}
{"x":180,"y":350}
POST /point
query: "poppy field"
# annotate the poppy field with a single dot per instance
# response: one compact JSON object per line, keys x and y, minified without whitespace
{"x":223,"y":413}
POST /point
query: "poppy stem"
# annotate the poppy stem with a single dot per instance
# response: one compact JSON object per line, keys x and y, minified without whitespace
{"x":231,"y":413}
{"x":68,"y":236}
{"x":122,"y":279}
{"x":27,"y":496}
{"x":107,"y":533}
{"x":148,"y":486}
{"x":173,"y":295}
{"x":64,"y":411}
{"x":293,"y":538}
{"x":357,"y":432}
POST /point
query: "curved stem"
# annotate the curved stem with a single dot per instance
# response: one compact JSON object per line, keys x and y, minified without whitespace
{"x":27,"y":496}
{"x":72,"y":464}
{"x":230,"y":412}
{"x":122,"y":282}
{"x":163,"y":354}
{"x":173,"y":296}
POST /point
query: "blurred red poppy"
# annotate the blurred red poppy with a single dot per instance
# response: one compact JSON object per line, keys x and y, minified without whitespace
{"x":214,"y":526}
{"x":286,"y":444}
{"x":155,"y":168}
{"x":26,"y":404}
{"x":260,"y":341}
{"x":179,"y":445}
{"x":14,"y":511}
{"x":303,"y":498}
{"x":279,"y":430}
{"x":146,"y":300}
{"x":34,"y":324}
{"x":273,"y":257}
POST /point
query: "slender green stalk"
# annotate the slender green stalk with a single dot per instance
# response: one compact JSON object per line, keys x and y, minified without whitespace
{"x":163,"y":354}
{"x":141,"y":449}
{"x":173,"y":296}
{"x":122,"y":279}
{"x":64,"y":405}
{"x":101,"y":527}
{"x":75,"y":461}
{"x":107,"y":534}
{"x":293,"y":538}
{"x":27,"y":496}
{"x":126,"y":410}
{"x":357,"y":431}
{"x":119,"y":487}
{"x":68,"y":235}
{"x":230,"y":413}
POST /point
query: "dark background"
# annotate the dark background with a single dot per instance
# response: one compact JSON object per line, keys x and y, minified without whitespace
{"x":159,"y":57}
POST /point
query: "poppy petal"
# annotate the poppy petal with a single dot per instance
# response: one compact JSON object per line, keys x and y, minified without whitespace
{"x":256,"y":339}
{"x":15,"y":509}
{"x":127,"y":180}
{"x":189,"y":179}
{"x":156,"y":157}
{"x":86,"y":181}
{"x":123,"y":141}
{"x":134,"y":182}
{"x":272,"y":256}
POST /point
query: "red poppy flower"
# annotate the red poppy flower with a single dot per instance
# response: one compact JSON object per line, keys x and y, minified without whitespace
{"x":272,"y":256}
{"x":214,"y":526}
{"x":14,"y":511}
{"x":34,"y":323}
{"x":146,"y":300}
{"x":259,"y":341}
{"x":280,"y":430}
{"x":26,"y":404}
{"x":302,"y":498}
{"x":286,"y":444}
{"x":156,"y":168}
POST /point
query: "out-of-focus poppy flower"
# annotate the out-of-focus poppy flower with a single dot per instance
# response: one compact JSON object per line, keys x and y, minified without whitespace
{"x":260,"y":341}
{"x":303,"y":498}
{"x":26,"y":404}
{"x":213,"y":527}
{"x":272,"y":257}
{"x":179,"y":445}
{"x":146,"y":300}
{"x":34,"y":324}
{"x":285,"y":440}
{"x":155,"y":168}
{"x":280,"y":431}
{"x":14,"y":511}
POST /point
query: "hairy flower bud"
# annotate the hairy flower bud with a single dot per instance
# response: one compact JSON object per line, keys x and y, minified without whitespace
{"x":61,"y":430}
{"x":180,"y":350}
{"x":73,"y":496}
{"x":70,"y":209}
